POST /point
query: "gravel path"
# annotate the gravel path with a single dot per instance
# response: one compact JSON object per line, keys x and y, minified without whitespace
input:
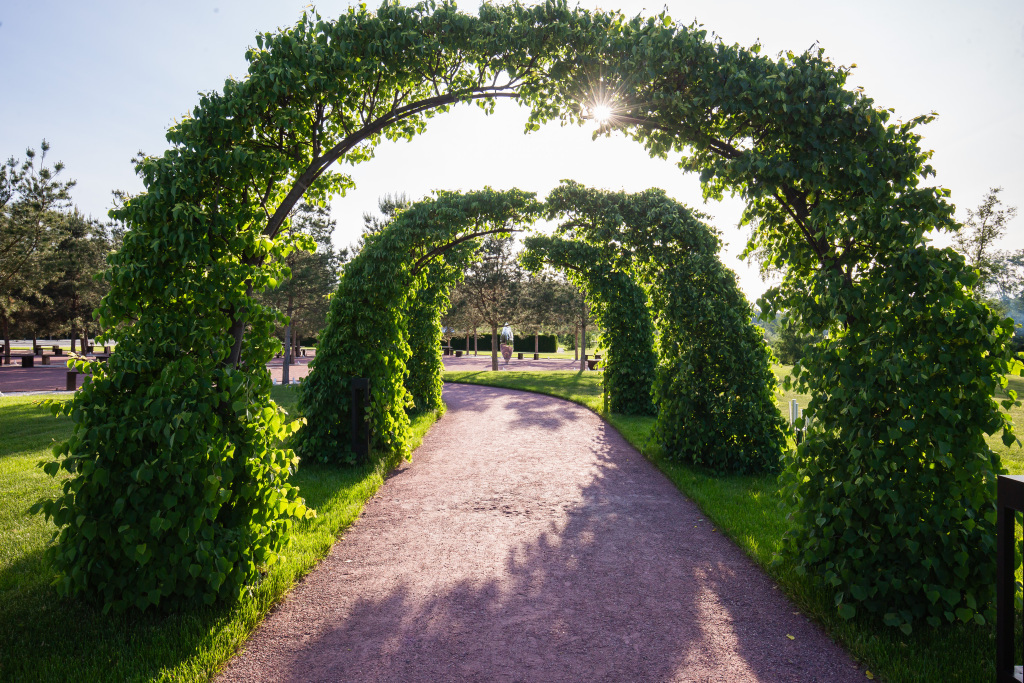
{"x":529,"y":542}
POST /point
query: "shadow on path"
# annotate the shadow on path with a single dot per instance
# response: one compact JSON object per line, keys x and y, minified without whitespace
{"x":530,"y":542}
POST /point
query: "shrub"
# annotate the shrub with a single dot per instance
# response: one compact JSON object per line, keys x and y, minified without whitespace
{"x":183,"y":495}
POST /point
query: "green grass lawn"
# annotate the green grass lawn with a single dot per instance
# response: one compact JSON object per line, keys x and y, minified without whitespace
{"x":46,"y":638}
{"x":751,"y":512}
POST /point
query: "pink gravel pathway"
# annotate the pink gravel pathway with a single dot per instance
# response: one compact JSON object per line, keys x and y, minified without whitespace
{"x":529,"y":542}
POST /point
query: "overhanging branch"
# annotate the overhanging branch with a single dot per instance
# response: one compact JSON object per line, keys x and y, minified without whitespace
{"x":437,"y":251}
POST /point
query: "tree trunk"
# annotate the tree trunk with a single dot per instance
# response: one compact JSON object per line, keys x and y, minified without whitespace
{"x":467,"y":343}
{"x":35,"y":342}
{"x":7,"y":340}
{"x":287,"y":342}
{"x":287,"y":354}
{"x":476,"y":344}
{"x":74,"y":317}
{"x":583,"y":337}
{"x":494,"y":347}
{"x":536,"y":342}
{"x":575,"y":342}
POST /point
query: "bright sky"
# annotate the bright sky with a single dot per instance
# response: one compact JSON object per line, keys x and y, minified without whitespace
{"x":101,"y":80}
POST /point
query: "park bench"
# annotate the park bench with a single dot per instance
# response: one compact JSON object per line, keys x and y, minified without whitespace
{"x":57,"y":351}
{"x":28,"y":361}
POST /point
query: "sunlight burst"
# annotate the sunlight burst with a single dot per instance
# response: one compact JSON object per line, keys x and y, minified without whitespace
{"x":602,"y":113}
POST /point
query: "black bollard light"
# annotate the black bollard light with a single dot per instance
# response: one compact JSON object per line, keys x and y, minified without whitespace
{"x":360,"y":431}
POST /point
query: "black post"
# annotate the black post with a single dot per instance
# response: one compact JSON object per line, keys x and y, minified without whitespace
{"x":360,"y":428}
{"x":1009,"y":500}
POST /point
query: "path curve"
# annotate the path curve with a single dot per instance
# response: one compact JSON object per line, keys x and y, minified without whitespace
{"x":528,"y":541}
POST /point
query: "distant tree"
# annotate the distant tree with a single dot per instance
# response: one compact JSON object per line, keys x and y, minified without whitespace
{"x":979,"y":236}
{"x":388,"y":205}
{"x":574,"y":316}
{"x":75,"y":290}
{"x":493,"y":288}
{"x":303,"y":297}
{"x":790,"y":344}
{"x":30,"y":197}
{"x":460,"y":319}
{"x":542,"y":305}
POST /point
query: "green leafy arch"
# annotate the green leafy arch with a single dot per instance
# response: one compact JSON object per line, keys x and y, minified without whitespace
{"x":620,"y":306}
{"x":384,"y":301}
{"x":714,"y":388}
{"x":836,"y":197}
{"x":429,"y":304}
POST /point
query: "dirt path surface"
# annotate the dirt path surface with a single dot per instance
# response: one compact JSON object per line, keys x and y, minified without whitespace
{"x":529,"y":542}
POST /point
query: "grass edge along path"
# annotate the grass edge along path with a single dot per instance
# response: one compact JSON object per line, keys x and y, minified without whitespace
{"x":750,"y":512}
{"x":45,"y":638}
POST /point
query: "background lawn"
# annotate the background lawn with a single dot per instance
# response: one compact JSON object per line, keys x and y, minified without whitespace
{"x":750,"y":511}
{"x":45,"y":638}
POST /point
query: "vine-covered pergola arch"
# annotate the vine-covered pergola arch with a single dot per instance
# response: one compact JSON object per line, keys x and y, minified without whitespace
{"x":620,"y":306}
{"x":713,"y":388}
{"x":835,"y":193}
{"x":389,"y":295}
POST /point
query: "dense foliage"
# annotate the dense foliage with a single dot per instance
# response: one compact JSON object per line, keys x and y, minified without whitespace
{"x":835,"y":199}
{"x":428,"y":304}
{"x":620,"y":307}
{"x":368,"y":327}
{"x":713,"y":388}
{"x":889,"y":470}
